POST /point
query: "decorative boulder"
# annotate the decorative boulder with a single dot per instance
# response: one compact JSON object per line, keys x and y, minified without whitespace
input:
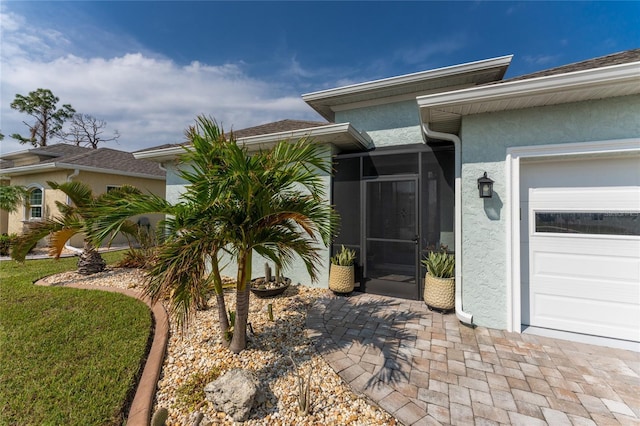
{"x":233,"y":393}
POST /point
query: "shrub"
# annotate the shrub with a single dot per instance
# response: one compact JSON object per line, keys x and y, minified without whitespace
{"x":6,"y":241}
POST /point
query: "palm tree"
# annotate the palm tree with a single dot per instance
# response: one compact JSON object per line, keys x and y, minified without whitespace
{"x":74,"y":219}
{"x":271,"y":202}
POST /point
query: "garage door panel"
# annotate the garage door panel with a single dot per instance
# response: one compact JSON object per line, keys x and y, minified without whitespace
{"x":581,"y":259}
{"x":587,"y":266}
{"x":623,"y":292}
{"x":587,"y":316}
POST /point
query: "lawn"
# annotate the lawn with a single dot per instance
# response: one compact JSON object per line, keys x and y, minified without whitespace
{"x":67,"y":356}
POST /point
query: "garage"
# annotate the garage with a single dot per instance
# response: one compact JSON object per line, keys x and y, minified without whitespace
{"x":580,"y":245}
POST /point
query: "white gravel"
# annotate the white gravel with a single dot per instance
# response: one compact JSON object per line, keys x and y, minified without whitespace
{"x":199,"y":350}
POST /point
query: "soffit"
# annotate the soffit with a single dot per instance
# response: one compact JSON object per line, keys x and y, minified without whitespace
{"x":464,"y":75}
{"x":444,"y":111}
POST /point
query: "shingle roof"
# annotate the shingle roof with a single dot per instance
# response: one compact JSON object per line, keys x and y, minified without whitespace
{"x":107,"y":159}
{"x":625,"y":57}
{"x":262,"y":129}
{"x":276,"y":127}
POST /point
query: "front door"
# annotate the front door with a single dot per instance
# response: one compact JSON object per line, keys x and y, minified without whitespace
{"x":391,"y":237}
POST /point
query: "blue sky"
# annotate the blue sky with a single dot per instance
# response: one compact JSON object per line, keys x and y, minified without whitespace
{"x":149,"y":68}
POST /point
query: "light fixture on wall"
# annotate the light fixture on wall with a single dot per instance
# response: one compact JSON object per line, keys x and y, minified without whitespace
{"x":485,"y":186}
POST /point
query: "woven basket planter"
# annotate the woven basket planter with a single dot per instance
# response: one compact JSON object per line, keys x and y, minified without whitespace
{"x":341,"y":278}
{"x":439,"y":293}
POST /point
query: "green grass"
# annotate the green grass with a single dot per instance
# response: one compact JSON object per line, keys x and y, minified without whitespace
{"x":67,"y":356}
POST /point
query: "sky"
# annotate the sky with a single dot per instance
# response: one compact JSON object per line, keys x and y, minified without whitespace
{"x":149,"y":68}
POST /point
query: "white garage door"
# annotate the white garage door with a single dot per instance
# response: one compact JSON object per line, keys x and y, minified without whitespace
{"x":583,"y":249}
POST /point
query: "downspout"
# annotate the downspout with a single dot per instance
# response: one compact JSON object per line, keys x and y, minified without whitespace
{"x":464,"y":317}
{"x":66,"y":245}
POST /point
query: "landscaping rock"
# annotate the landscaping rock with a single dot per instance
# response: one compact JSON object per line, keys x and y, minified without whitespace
{"x":233,"y":393}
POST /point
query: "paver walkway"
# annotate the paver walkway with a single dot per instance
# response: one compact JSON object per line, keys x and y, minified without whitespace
{"x":426,"y":368}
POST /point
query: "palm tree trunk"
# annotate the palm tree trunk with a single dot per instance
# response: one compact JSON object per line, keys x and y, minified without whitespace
{"x":223,"y":319}
{"x":90,"y":261}
{"x":239,"y":339}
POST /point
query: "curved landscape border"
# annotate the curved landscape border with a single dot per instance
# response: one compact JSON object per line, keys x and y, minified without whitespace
{"x":140,"y":411}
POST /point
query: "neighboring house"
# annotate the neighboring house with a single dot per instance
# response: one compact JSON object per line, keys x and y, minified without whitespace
{"x":557,"y":246}
{"x":101,"y":169}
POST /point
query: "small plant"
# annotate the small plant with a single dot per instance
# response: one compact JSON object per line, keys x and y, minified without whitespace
{"x":191,"y":393}
{"x":304,"y":389}
{"x":440,"y":264}
{"x":345,"y":257}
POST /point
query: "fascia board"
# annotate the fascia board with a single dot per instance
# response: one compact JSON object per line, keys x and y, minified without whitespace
{"x":36,"y":168}
{"x":160,"y":154}
{"x":409,"y":78}
{"x":31,"y":168}
{"x":312,"y":132}
{"x":547,"y":84}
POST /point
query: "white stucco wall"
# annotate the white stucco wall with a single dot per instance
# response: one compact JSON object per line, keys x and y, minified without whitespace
{"x":485,"y":139}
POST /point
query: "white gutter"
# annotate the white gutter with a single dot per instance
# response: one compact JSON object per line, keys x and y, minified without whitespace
{"x":66,"y":245}
{"x":464,"y":317}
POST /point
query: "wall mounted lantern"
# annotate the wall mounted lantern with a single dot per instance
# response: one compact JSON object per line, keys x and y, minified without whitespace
{"x":485,"y":186}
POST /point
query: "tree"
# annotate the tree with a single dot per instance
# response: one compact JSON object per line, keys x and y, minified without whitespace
{"x":271,"y":202}
{"x":87,"y":130}
{"x":73,"y":219}
{"x":11,"y":196}
{"x":41,"y":105}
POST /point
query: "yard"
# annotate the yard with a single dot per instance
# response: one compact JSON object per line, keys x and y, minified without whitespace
{"x":68,"y":356}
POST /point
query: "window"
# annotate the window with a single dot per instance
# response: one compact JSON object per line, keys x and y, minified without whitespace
{"x":34,"y":208}
{"x":599,"y":223}
{"x":112,"y":187}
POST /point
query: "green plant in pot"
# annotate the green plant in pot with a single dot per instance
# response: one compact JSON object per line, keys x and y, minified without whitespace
{"x":439,"y":282}
{"x":341,"y":274}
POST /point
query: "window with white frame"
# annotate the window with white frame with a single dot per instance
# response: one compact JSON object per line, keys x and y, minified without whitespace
{"x":34,"y":208}
{"x":112,"y":187}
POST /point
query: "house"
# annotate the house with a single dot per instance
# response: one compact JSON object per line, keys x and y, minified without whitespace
{"x":554,"y":250}
{"x":102,"y":169}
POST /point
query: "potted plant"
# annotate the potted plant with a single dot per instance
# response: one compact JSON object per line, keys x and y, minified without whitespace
{"x":341,"y":274}
{"x":439,"y":282}
{"x":270,"y":285}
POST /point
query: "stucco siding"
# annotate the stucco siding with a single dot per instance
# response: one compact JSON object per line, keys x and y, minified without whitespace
{"x":485,"y":139}
{"x":390,"y":124}
{"x":16,"y":221}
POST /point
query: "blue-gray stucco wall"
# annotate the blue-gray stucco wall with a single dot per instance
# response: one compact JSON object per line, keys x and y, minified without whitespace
{"x":485,"y":139}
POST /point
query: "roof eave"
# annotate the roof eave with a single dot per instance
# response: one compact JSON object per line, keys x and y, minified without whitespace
{"x":37,"y":168}
{"x":342,"y":135}
{"x":321,"y":101}
{"x":451,"y":106}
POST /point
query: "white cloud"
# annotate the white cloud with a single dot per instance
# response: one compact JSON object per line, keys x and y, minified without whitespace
{"x":150,"y":100}
{"x":541,"y":60}
{"x":424,"y":53}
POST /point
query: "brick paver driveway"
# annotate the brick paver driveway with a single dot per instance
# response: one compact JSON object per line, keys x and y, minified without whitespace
{"x":426,"y":368}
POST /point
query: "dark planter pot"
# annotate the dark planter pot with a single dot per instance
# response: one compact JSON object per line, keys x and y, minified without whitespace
{"x":269,"y":292}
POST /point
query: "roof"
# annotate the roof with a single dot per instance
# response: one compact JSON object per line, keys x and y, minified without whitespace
{"x":408,"y":86}
{"x":65,"y":156}
{"x":277,"y":127}
{"x":618,"y":58}
{"x":609,"y":76}
{"x":342,"y":135}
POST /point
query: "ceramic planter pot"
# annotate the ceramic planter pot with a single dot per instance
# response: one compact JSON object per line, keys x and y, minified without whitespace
{"x":439,"y":293}
{"x":341,"y":278}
